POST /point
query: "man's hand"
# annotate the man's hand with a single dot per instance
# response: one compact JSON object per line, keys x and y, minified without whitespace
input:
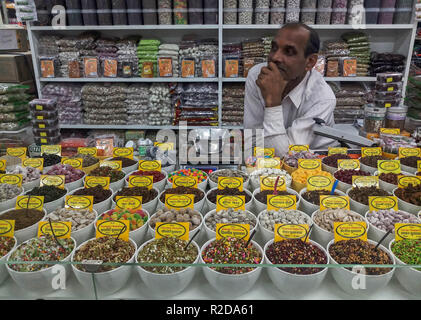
{"x":271,"y":84}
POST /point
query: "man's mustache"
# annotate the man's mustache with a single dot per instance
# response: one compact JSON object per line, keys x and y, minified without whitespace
{"x":278,"y":65}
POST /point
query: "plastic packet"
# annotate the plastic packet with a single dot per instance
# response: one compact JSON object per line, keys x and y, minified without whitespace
{"x":48,"y":67}
{"x":348,"y":67}
{"x":332,"y":69}
{"x":208,"y":67}
{"x":109,"y":67}
{"x":90,"y":67}
{"x":231,"y":66}
{"x":321,"y":64}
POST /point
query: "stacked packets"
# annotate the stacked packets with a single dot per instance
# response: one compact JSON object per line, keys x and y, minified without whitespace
{"x":359,"y":47}
{"x":138,"y":103}
{"x":147,"y":52}
{"x":350,"y":101}
{"x":170,"y":51}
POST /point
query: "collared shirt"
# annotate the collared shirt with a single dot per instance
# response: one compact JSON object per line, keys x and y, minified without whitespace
{"x":291,"y":122}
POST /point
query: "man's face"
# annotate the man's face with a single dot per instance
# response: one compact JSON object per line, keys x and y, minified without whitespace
{"x":288,"y":48}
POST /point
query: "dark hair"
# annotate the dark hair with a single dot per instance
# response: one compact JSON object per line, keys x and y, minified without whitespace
{"x":313,"y":44}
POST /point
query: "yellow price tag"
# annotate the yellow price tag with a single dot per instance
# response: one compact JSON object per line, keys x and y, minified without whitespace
{"x":150,"y":165}
{"x":14,"y":179}
{"x":264,"y":152}
{"x":141,"y":181}
{"x":268,"y":183}
{"x":350,"y":230}
{"x":377,"y":203}
{"x":2,"y":165}
{"x":298,"y":148}
{"x":365,"y":181}
{"x":179,"y":201}
{"x":74,"y":162}
{"x":334,"y":202}
{"x":178,"y":230}
{"x":79,"y":202}
{"x":123,"y":152}
{"x":30,"y":202}
{"x":115,"y":165}
{"x":333,"y":151}
{"x":230,"y":202}
{"x":50,"y":180}
{"x":7,"y":228}
{"x":53,"y":149}
{"x":404,"y":181}
{"x":310,"y":164}
{"x":37,"y":163}
{"x":394,"y":131}
{"x":276,"y":202}
{"x":231,"y":230}
{"x":164,"y":146}
{"x":348,"y":164}
{"x":115,"y":228}
{"x":92,"y":181}
{"x":88,"y":151}
{"x":184,"y":181}
{"x":409,"y":152}
{"x":274,"y":163}
{"x":407,"y":231}
{"x":319,"y":182}
{"x":61,"y":229}
{"x":389,"y":166}
{"x":291,"y":232}
{"x":126,"y":202}
{"x":16,"y":152}
{"x":230,"y":182}
{"x":368,"y":152}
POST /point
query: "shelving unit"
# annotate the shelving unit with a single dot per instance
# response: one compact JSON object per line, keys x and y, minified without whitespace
{"x":396,"y":38}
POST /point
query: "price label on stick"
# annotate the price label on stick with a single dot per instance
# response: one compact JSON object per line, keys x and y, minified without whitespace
{"x":30,"y":202}
{"x":264,"y":152}
{"x":123,"y":152}
{"x":368,"y":152}
{"x":178,"y":230}
{"x":377,"y":203}
{"x":37,"y":163}
{"x":115,"y":165}
{"x":389,"y":166}
{"x":141,"y":181}
{"x":7,"y":228}
{"x":232,"y":230}
{"x":268,"y":183}
{"x":276,"y":202}
{"x":334,"y":202}
{"x":179,"y":201}
{"x":51,"y":149}
{"x":310,"y":164}
{"x":230,"y":182}
{"x":291,"y":231}
{"x":88,"y":151}
{"x":79,"y":202}
{"x":348,"y":164}
{"x":298,"y":148}
{"x":14,"y":179}
{"x":50,"y":180}
{"x":61,"y":229}
{"x":333,"y":151}
{"x":16,"y":152}
{"x":407,"y":231}
{"x":225,"y":202}
{"x":350,"y":230}
{"x":126,"y":202}
{"x":117,"y":229}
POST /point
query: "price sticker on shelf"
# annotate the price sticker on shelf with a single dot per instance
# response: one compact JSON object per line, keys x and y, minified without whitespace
{"x":116,"y":228}
{"x":377,"y":203}
{"x":141,"y":181}
{"x":348,"y":164}
{"x":92,"y":181}
{"x":13,"y":179}
{"x":368,"y":152}
{"x":268,"y":183}
{"x":123,"y":152}
{"x":264,"y":152}
{"x":298,"y":148}
{"x":273,"y":163}
{"x":365,"y":181}
{"x":184,"y":181}
{"x":2,"y":165}
{"x":164,"y":146}
{"x":88,"y":151}
{"x":394,"y":131}
{"x":37,"y":163}
{"x":232,"y":230}
{"x":115,"y":165}
{"x":276,"y":202}
{"x":30,"y":202}
{"x":291,"y":232}
{"x":310,"y":164}
{"x":150,"y":165}
{"x":61,"y":229}
{"x":179,"y":201}
{"x":404,"y":181}
{"x":7,"y":228}
{"x":334,"y":202}
{"x":350,"y":231}
{"x":51,"y":149}
{"x":409,"y":152}
{"x":333,"y":151}
{"x":129,"y":202}
{"x":16,"y":152}
{"x":230,"y":182}
{"x":53,"y":180}
{"x":389,"y":166}
{"x":407,"y":231}
{"x":224,"y":202}
{"x":76,"y":202}
{"x":319,"y":182}
{"x":74,"y":162}
{"x":178,"y":230}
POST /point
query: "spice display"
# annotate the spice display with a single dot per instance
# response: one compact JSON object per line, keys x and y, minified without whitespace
{"x":346,"y":175}
{"x":332,"y":161}
{"x":314,"y":196}
{"x":231,"y":251}
{"x":198,"y":194}
{"x":228,"y":173}
{"x":44,"y":248}
{"x":212,"y":195}
{"x":255,"y":175}
{"x":6,"y":244}
{"x":193,"y":217}
{"x":385,"y":219}
{"x":50,"y":193}
{"x":146,"y":194}
{"x":50,"y":159}
{"x":157,"y":176}
{"x":99,"y":193}
{"x":296,"y":251}
{"x":410,"y":161}
{"x":326,"y":218}
{"x":107,"y":249}
{"x":371,"y":161}
{"x":115,"y":175}
{"x":361,"y":194}
{"x":137,"y":218}
{"x":263,"y":195}
{"x":269,"y":218}
{"x":360,"y":252}
{"x":23,"y":217}
{"x":292,"y":159}
{"x":410,"y":194}
{"x":201,"y":175}
{"x":71,"y":174}
{"x":171,"y":250}
{"x":230,"y":216}
{"x":87,"y":159}
{"x":79,"y":218}
{"x":390,"y":177}
{"x":408,"y":251}
{"x":301,"y":175}
{"x":28,"y":173}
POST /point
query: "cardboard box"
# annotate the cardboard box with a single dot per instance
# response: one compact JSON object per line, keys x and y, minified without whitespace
{"x":15,"y":67}
{"x":13,"y":40}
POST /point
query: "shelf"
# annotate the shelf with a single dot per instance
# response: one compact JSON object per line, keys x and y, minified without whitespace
{"x":137,"y":79}
{"x":328,"y":79}
{"x":322,"y":26}
{"x":129,"y":27}
{"x":138,"y":127}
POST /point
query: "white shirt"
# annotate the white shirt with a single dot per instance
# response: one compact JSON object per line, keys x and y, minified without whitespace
{"x":291,"y":122}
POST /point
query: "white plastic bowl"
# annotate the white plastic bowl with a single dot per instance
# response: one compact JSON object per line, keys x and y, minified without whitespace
{"x":345,"y":278}
{"x":149,"y":206}
{"x":329,"y":169}
{"x":167,"y":285}
{"x":366,"y":168}
{"x":202,"y":185}
{"x":3,"y":270}
{"x":408,"y":169}
{"x":255,"y":183}
{"x":323,"y":236}
{"x":38,"y":281}
{"x":409,"y":278}
{"x":212,"y":205}
{"x":388,"y":186}
{"x":406,"y":206}
{"x":259,"y":206}
{"x":309,"y":207}
{"x":101,"y":206}
{"x":30,"y":185}
{"x":8,"y":204}
{"x":198,"y":206}
{"x":215,"y":184}
{"x":232,"y":285}
{"x":295,"y":284}
{"x":268,"y":235}
{"x":168,"y":169}
{"x":210,"y":234}
{"x":160,"y":185}
{"x":106,"y":282}
{"x":28,"y":232}
{"x":136,"y":235}
{"x":356,"y":206}
{"x":75,"y":184}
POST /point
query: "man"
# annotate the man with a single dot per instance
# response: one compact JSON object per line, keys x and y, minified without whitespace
{"x":284,"y":95}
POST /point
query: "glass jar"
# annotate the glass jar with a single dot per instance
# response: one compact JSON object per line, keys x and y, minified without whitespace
{"x":373,"y":118}
{"x":395,"y":117}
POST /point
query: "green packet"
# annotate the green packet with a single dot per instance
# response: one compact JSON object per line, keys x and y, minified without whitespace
{"x":14,"y":107}
{"x":6,"y":88}
{"x":149,"y":42}
{"x":148,"y":48}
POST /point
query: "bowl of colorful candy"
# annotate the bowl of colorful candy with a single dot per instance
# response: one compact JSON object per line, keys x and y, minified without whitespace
{"x":202,"y":177}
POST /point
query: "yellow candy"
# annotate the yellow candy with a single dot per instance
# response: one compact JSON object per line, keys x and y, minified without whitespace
{"x":301,"y":175}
